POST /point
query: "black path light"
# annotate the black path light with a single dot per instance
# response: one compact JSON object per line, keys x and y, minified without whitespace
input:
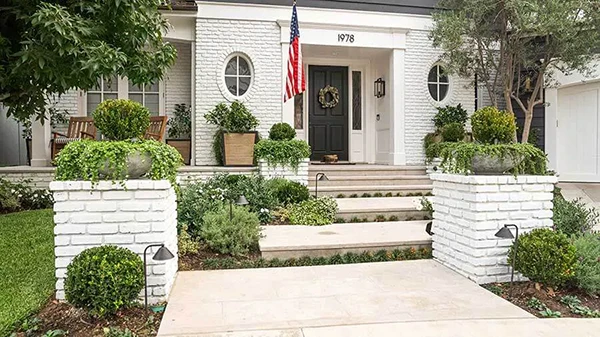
{"x":505,"y":233}
{"x":242,"y":201}
{"x":163,"y":254}
{"x":319,"y":177}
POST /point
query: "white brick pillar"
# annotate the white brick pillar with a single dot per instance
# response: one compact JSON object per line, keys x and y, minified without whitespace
{"x":300,"y":175}
{"x":469,"y":210}
{"x":141,"y":214}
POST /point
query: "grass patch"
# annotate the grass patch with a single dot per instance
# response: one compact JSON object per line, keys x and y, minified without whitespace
{"x":26,"y":266}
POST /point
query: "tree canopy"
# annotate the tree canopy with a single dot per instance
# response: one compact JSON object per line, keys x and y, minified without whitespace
{"x":515,"y":47}
{"x":48,"y":47}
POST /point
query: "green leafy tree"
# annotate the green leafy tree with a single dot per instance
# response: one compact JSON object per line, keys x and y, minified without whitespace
{"x":515,"y":47}
{"x":48,"y":47}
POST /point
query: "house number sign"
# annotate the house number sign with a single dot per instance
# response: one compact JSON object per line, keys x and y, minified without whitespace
{"x":346,"y":38}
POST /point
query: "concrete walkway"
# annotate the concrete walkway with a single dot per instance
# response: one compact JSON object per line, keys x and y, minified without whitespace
{"x":285,"y":242}
{"x":589,"y":194}
{"x":288,"y":299}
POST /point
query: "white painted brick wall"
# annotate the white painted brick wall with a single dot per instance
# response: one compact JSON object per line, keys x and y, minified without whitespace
{"x":69,"y":102}
{"x":300,"y":175}
{"x":469,"y":210}
{"x":145,"y":213}
{"x":215,"y":41}
{"x":419,"y":106}
{"x":178,"y":84}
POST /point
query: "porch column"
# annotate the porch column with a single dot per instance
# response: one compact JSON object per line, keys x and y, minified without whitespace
{"x":40,"y":141}
{"x":396,"y":92}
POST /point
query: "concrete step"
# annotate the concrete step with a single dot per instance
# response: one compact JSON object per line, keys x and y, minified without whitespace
{"x":286,"y":242}
{"x":371,"y":189}
{"x":372,"y":180}
{"x":366,"y":170}
{"x":403,"y":208}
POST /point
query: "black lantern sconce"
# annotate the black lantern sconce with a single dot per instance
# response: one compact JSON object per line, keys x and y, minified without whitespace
{"x":379,"y":88}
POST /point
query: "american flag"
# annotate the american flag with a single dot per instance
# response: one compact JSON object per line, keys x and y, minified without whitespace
{"x":295,"y":83}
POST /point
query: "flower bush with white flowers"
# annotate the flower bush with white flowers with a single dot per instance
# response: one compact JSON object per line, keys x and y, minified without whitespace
{"x":20,"y":196}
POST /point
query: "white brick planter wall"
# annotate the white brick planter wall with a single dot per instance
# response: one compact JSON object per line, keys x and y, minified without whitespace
{"x":269,"y":172}
{"x":142,"y":214}
{"x":469,"y":210}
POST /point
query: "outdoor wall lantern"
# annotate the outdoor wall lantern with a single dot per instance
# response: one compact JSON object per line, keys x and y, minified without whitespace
{"x":163,"y":254}
{"x":505,"y":233}
{"x":242,"y":201}
{"x":379,"y":88}
{"x":319,"y":177}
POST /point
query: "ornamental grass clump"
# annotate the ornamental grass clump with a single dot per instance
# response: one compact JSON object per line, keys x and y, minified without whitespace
{"x":545,"y":256}
{"x":104,"y":279}
{"x":587,"y":273}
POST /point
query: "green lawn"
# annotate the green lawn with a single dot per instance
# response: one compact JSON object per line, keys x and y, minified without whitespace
{"x":26,"y":264}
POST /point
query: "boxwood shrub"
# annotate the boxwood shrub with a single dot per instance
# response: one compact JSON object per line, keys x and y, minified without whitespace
{"x":545,"y":256}
{"x":121,"y":119}
{"x":282,"y":131}
{"x":104,"y":279}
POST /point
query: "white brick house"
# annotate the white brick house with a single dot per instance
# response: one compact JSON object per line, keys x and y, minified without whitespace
{"x":346,"y":44}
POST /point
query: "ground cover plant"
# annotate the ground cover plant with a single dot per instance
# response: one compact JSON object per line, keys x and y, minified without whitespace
{"x":26,"y":266}
{"x":18,"y":196}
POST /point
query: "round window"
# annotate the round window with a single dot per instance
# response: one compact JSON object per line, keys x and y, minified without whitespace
{"x":438,"y":83}
{"x":238,"y":75}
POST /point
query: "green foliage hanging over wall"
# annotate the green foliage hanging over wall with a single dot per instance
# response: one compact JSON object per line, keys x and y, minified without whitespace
{"x":282,"y":152}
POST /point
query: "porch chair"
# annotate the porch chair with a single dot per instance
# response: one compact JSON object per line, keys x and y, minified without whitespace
{"x":156,"y":130}
{"x":79,"y":128}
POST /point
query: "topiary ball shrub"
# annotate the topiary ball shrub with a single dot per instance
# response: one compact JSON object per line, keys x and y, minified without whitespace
{"x":573,"y":217}
{"x":282,"y":131}
{"x":235,"y":235}
{"x":450,"y":114}
{"x":545,"y":256}
{"x":314,"y":212}
{"x":289,"y":192}
{"x":104,"y":279}
{"x":587,"y":274}
{"x":122,"y":119}
{"x":493,"y":126}
{"x":453,"y":132}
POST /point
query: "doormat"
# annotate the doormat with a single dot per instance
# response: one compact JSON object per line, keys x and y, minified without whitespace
{"x":336,"y":163}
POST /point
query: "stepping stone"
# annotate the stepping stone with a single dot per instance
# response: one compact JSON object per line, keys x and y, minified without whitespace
{"x":286,"y":242}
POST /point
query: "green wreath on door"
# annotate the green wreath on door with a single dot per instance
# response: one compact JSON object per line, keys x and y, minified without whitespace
{"x":335,"y":97}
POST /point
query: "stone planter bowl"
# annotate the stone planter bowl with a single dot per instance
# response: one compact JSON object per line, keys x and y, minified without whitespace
{"x":138,"y":164}
{"x":492,"y":165}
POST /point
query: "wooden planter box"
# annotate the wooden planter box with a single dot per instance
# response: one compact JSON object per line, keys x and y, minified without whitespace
{"x":238,"y":149}
{"x":184,"y":146}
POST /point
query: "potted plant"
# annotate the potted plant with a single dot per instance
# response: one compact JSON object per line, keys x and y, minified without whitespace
{"x":180,"y":127}
{"x":235,"y":138}
{"x":124,"y":154}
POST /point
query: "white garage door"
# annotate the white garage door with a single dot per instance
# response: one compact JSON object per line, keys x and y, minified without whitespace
{"x":578,"y":133}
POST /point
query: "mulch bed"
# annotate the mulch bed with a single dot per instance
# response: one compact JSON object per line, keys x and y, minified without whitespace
{"x":522,"y":292}
{"x":195,"y":261}
{"x":61,"y":316}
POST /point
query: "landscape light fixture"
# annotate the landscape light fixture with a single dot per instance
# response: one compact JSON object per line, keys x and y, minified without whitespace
{"x":163,"y":254}
{"x":319,"y":177}
{"x":241,"y":201}
{"x":505,"y":233}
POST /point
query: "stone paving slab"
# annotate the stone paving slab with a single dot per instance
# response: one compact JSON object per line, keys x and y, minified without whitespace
{"x":297,"y":241}
{"x":318,"y":296}
{"x":526,"y":327}
{"x":384,"y":204}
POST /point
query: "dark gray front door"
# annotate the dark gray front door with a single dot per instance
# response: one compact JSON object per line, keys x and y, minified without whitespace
{"x":328,"y":127}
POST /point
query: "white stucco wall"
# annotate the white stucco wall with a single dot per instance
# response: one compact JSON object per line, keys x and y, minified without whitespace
{"x":215,"y":41}
{"x":419,"y":106}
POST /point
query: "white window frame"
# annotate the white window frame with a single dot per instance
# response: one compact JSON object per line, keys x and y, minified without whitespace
{"x":123,"y":93}
{"x":437,"y":84}
{"x":237,"y":76}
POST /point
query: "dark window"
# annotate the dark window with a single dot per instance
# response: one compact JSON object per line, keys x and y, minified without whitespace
{"x":438,"y":83}
{"x":356,"y":100}
{"x":299,"y":111}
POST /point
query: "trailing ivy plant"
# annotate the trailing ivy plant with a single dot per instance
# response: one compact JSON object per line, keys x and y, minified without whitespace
{"x":82,"y":160}
{"x":458,"y":157}
{"x":282,"y":152}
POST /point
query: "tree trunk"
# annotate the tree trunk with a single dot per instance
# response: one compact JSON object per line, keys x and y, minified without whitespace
{"x":509,"y":108}
{"x":527,"y":124}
